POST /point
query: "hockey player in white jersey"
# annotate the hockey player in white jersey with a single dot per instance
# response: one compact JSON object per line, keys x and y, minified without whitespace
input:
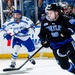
{"x":19,"y":27}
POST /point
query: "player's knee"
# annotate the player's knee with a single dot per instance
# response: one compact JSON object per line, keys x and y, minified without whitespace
{"x":31,"y":49}
{"x":69,"y":67}
{"x":65,"y":67}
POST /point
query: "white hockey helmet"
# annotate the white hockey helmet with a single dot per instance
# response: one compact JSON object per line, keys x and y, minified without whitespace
{"x":63,"y":4}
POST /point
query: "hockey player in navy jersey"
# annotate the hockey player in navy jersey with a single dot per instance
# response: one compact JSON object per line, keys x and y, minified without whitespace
{"x":55,"y":32}
{"x":18,"y":28}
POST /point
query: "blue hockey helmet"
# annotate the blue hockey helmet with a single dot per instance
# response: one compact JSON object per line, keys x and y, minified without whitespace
{"x":17,"y":11}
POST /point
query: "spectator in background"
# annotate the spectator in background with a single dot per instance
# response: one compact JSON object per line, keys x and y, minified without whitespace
{"x":50,"y":1}
{"x":64,"y":6}
{"x":4,"y":4}
{"x":41,"y":10}
{"x":69,"y":10}
{"x":9,"y":7}
{"x":73,"y":12}
{"x":29,"y":9}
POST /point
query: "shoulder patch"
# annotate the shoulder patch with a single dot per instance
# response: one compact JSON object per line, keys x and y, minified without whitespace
{"x":72,"y":21}
{"x":45,"y":24}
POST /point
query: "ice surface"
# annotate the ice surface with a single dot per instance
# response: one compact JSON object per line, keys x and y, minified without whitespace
{"x":42,"y":67}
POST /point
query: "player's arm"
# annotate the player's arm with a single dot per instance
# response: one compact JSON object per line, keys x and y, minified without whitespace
{"x":31,"y":25}
{"x":42,"y":36}
{"x":29,"y":28}
{"x":72,"y":25}
{"x":6,"y":30}
{"x":68,"y":29}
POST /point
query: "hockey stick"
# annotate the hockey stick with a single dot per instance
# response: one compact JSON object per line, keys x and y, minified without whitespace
{"x":12,"y":69}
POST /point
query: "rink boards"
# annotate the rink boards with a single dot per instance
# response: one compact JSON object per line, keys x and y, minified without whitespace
{"x":5,"y":51}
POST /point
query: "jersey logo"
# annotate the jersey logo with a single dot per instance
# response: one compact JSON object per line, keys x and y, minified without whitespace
{"x":54,"y":27}
{"x":45,"y":24}
{"x":55,"y":34}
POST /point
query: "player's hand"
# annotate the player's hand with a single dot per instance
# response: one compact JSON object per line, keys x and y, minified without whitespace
{"x":45,"y":43}
{"x":7,"y":36}
{"x":24,"y":31}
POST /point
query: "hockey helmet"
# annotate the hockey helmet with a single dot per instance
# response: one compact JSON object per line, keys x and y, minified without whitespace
{"x":17,"y":11}
{"x":63,"y":4}
{"x":53,"y":7}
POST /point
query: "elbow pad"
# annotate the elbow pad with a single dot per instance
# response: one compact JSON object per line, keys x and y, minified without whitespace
{"x":70,"y":31}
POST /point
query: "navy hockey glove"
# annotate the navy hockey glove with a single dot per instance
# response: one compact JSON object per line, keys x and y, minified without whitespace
{"x":24,"y":31}
{"x":45,"y":44}
{"x":7,"y":36}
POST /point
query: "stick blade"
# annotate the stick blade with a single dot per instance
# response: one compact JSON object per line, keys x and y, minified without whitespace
{"x":10,"y":69}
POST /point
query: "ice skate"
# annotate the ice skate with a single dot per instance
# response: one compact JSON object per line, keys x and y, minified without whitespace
{"x":32,"y":61}
{"x":13,"y":64}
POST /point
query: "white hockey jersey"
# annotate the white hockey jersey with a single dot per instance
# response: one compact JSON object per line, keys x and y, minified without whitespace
{"x":14,"y":28}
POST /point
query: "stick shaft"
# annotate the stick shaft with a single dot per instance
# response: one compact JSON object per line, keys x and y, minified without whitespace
{"x":31,"y":56}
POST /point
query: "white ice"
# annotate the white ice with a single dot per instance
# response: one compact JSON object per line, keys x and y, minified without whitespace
{"x":42,"y":67}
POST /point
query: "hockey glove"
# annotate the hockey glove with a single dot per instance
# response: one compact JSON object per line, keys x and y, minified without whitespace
{"x":45,"y":44}
{"x":24,"y":31}
{"x":7,"y":36}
